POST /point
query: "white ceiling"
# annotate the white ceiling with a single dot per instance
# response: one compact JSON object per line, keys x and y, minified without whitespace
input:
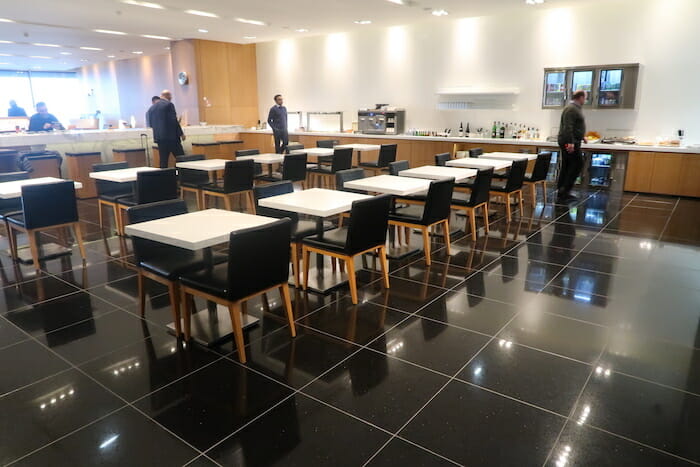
{"x":70,"y":24}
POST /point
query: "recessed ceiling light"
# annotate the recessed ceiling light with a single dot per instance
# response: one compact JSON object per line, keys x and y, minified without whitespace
{"x":150,"y":36}
{"x":66,"y":53}
{"x":6,"y":42}
{"x":137,"y":52}
{"x":91,"y":48}
{"x":5,"y":20}
{"x":397,"y":2}
{"x":167,"y":48}
{"x":251,"y":21}
{"x":39,"y":56}
{"x":363,"y":21}
{"x":109,"y":31}
{"x":5,"y":55}
{"x":440,"y":12}
{"x":249,"y":37}
{"x":40,"y":44}
{"x":83,"y":60}
{"x":203,"y":30}
{"x":302,"y":30}
{"x":534,"y":2}
{"x":201,"y":13}
{"x":110,"y":56}
{"x":4,"y":63}
{"x":157,"y":6}
{"x":36,"y":67}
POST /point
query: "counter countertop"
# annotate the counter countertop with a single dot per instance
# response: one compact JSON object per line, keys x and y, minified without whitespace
{"x":74,"y":136}
{"x":522,"y":142}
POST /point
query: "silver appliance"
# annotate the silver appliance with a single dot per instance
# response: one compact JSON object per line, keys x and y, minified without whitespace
{"x":381,"y":122}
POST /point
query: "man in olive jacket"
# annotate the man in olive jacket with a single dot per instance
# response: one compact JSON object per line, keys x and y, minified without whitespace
{"x":571,"y":134}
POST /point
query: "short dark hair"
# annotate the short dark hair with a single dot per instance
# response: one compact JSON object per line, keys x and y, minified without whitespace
{"x":578,"y":95}
{"x":276,"y":96}
{"x":40,"y":104}
{"x":155,"y":99}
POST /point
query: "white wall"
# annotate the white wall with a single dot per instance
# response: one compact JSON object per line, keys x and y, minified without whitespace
{"x":405,"y":65}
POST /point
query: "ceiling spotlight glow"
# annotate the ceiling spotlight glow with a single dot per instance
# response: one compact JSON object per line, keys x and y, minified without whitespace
{"x":363,"y":21}
{"x":397,"y":2}
{"x":302,"y":30}
{"x":6,"y":20}
{"x":109,"y":31}
{"x":162,"y":38}
{"x":249,"y":37}
{"x":6,"y":55}
{"x":439,"y":12}
{"x":203,"y":30}
{"x":201,"y":13}
{"x":156,"y":6}
{"x":40,"y":44}
{"x":251,"y":21}
{"x":6,"y":42}
{"x":111,"y":56}
{"x":91,"y":48}
{"x":65,"y":53}
{"x":137,"y":52}
{"x":39,"y":56}
{"x":534,"y":2}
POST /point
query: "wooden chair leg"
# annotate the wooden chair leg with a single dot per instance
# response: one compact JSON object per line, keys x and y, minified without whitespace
{"x":426,"y":245}
{"x":384,"y":265}
{"x":544,"y":191}
{"x":295,"y":263}
{"x":100,"y":205}
{"x":472,"y":222}
{"x":227,"y":203}
{"x":251,"y":203}
{"x":284,"y":291}
{"x":305,"y":260}
{"x":117,"y":224}
{"x":12,"y":234}
{"x":520,"y":200}
{"x":352,"y":280}
{"x":407,"y":235}
{"x":485,"y":208}
{"x":534,"y":194}
{"x":175,"y":307}
{"x":34,"y":248}
{"x":446,"y":234}
{"x":79,"y":238}
{"x":235,"y":312}
{"x":140,"y":281}
{"x":508,"y":212}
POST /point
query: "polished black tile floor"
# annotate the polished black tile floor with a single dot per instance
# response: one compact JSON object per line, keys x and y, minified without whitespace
{"x":569,"y":336}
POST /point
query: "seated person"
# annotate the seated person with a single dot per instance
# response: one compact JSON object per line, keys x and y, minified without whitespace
{"x":42,"y":120}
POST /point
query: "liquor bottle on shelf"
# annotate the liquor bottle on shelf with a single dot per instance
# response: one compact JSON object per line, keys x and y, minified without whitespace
{"x":502,"y":131}
{"x":494,"y":130}
{"x":466,"y":132}
{"x":461,"y":130}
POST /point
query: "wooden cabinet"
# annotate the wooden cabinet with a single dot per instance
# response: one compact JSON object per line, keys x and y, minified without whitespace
{"x":640,"y":166}
{"x":134,"y":157}
{"x":667,"y":173}
{"x":663,"y":173}
{"x":690,"y":181}
{"x":79,"y":168}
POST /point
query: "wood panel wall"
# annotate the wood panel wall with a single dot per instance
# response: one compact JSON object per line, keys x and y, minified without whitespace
{"x":663,"y":173}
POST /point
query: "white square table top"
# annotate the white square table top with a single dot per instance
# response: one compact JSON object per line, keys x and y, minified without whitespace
{"x":207,"y":165}
{"x":360,"y":147}
{"x":9,"y":190}
{"x":314,"y":151}
{"x":510,"y":156}
{"x":479,"y":163}
{"x":390,"y":184}
{"x":197,"y":230}
{"x":263,"y":158}
{"x":121,"y":175}
{"x":317,"y":202}
{"x":433,"y":172}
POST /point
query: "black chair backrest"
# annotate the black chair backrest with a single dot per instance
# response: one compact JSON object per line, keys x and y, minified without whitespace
{"x":258,"y":258}
{"x":49,"y":204}
{"x":191,"y":175}
{"x":441,"y":159}
{"x":156,"y":185}
{"x":342,"y":159}
{"x":476,"y":152}
{"x":145,"y":250}
{"x":105,"y":187}
{"x":294,"y":168}
{"x":398,"y":166}
{"x":387,"y":155}
{"x":247,"y":152}
{"x":239,"y":176}
{"x":347,"y":176}
{"x":539,"y":172}
{"x":13,"y":176}
{"x":516,"y":175}
{"x":438,"y":201}
{"x":327,"y":143}
{"x":481,"y":187}
{"x":274,"y":189}
{"x":369,"y":219}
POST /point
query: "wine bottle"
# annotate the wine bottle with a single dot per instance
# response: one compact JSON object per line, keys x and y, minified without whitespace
{"x":502,"y":132}
{"x":466,"y":133}
{"x":461,"y":130}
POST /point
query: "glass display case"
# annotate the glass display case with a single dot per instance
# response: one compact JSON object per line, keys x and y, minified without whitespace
{"x":582,"y":81}
{"x":600,"y":170}
{"x":610,"y":88}
{"x":554,"y":88}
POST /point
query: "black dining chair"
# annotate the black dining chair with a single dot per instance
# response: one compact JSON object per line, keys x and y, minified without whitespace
{"x":151,"y":186}
{"x":251,"y":152}
{"x":441,"y":159}
{"x":365,"y":233}
{"x":45,"y":207}
{"x":397,"y":166}
{"x":513,"y":185}
{"x":258,"y":261}
{"x":539,"y":176}
{"x":435,"y":212}
{"x":238,"y":181}
{"x":325,"y":175}
{"x":478,"y":198}
{"x":191,"y":181}
{"x":476,"y":152}
{"x":164,"y":263}
{"x":300,"y":228}
{"x":343,"y":177}
{"x":11,"y":205}
{"x":293,"y":170}
{"x":109,"y":192}
{"x":387,"y":155}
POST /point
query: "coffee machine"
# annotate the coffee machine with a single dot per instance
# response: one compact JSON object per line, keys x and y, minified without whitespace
{"x":382,"y":120}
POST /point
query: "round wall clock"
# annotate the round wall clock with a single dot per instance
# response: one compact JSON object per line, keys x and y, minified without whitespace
{"x":182,"y":78}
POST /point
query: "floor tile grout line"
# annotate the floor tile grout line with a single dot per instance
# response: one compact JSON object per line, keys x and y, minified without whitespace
{"x":668,"y":221}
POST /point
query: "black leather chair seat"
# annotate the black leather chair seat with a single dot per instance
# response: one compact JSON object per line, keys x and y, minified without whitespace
{"x":113,"y":198}
{"x":213,"y":281}
{"x":10,"y":212}
{"x":216,"y":188}
{"x":410,"y":214}
{"x":320,"y":169}
{"x":172,"y":266}
{"x":194,"y":184}
{"x":498,"y":185}
{"x":462,"y":199}
{"x":128,"y":201}
{"x":16,"y":218}
{"x":528,"y":178}
{"x":469,"y":185}
{"x":374,"y":164}
{"x":306,"y":228}
{"x":333,"y":240}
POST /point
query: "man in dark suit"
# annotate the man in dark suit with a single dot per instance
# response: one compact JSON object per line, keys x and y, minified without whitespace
{"x":572,"y":130}
{"x":154,"y":99}
{"x":15,"y":110}
{"x":167,"y":132}
{"x":277,"y":119}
